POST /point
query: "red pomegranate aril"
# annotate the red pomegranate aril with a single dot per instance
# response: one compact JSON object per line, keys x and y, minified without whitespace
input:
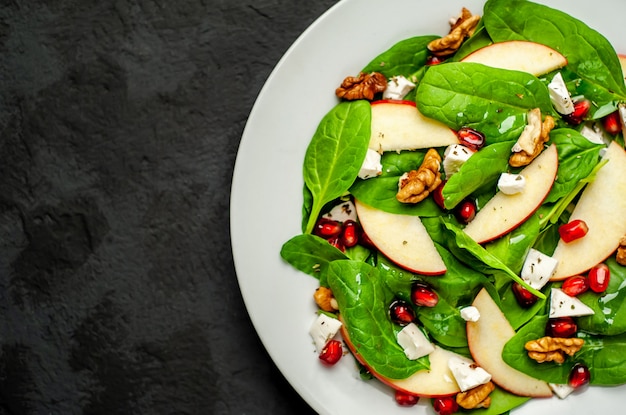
{"x":612,"y":123}
{"x":337,"y":243}
{"x":446,"y":405}
{"x":350,"y":232}
{"x":365,"y":240}
{"x":438,"y":195}
{"x":575,"y":285}
{"x":434,"y":60}
{"x":470,"y":138}
{"x":581,"y":109}
{"x":406,"y":399}
{"x":573,"y":230}
{"x":599,"y":277}
{"x":562,"y":327}
{"x":332,"y":352}
{"x":524,"y":297}
{"x":401,"y":312}
{"x":423,"y":295}
{"x":327,"y":228}
{"x":465,"y":211}
{"x":579,"y":376}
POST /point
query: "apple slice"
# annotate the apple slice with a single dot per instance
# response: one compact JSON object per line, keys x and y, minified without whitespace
{"x":503,"y":213}
{"x":601,"y":205}
{"x":401,"y":238}
{"x":434,"y":383}
{"x":519,"y":55}
{"x":486,"y":339}
{"x":398,"y":125}
{"x":622,"y":62}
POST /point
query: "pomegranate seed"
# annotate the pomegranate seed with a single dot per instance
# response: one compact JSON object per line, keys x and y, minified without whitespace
{"x":350,"y":232}
{"x":470,"y":138}
{"x":337,"y":243}
{"x":524,"y":297}
{"x":406,"y":399}
{"x":327,"y":228}
{"x":434,"y":60}
{"x":573,"y":230}
{"x":446,"y":405}
{"x":465,"y":211}
{"x":612,"y":123}
{"x":581,"y":109}
{"x":401,"y":312}
{"x":423,"y":295}
{"x":599,"y":277}
{"x":575,"y":285}
{"x":561,"y":327}
{"x":332,"y":352}
{"x":438,"y":195}
{"x":579,"y":376}
{"x":366,"y":241}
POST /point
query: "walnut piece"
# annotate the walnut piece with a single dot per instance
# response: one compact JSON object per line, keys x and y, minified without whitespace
{"x":365,"y":86}
{"x":548,"y":349}
{"x":477,"y":397}
{"x":460,"y":29}
{"x":416,"y":185}
{"x":621,"y":251}
{"x":530,"y":143}
{"x":325,"y":300}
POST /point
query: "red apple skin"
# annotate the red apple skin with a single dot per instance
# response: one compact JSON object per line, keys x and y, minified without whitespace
{"x":394,"y":101}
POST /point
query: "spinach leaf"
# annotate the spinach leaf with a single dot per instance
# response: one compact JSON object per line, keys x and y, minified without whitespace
{"x":610,"y":307}
{"x":478,"y":40}
{"x":363,"y":301}
{"x":588,"y":53}
{"x":512,"y":248}
{"x":335,"y":154}
{"x":482,"y":169}
{"x":491,"y":100}
{"x":405,"y":58}
{"x":311,"y":255}
{"x":577,"y":158}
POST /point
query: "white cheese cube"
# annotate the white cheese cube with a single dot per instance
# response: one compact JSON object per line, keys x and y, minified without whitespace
{"x":562,"y":305}
{"x":371,"y":166}
{"x":559,"y":95}
{"x":538,"y":268}
{"x":510,"y":184}
{"x":454,"y":157}
{"x":342,"y":212}
{"x":414,"y":342}
{"x":470,"y":313}
{"x":593,"y":134}
{"x":398,"y":87}
{"x":323,"y":329}
{"x":467,"y":374}
{"x":561,"y":390}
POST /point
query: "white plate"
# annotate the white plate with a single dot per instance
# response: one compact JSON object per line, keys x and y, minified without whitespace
{"x":267,"y":190}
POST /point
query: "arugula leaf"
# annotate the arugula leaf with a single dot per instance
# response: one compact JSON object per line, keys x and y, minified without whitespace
{"x":311,"y":255}
{"x":491,"y":100}
{"x":335,"y":154}
{"x":364,"y":301}
{"x":405,"y":58}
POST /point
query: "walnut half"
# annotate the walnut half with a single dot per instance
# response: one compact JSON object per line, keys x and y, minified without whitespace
{"x":548,"y":349}
{"x":460,"y":29}
{"x":477,"y":397}
{"x":530,"y":143}
{"x":620,"y":257}
{"x":365,"y":86}
{"x":416,"y":185}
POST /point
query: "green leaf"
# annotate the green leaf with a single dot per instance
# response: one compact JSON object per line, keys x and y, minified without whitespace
{"x":405,"y":58}
{"x":364,"y":301}
{"x":335,"y":154}
{"x":311,"y":255}
{"x":490,"y":100}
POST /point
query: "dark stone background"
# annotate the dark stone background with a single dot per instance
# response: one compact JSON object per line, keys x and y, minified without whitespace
{"x":119,"y":126}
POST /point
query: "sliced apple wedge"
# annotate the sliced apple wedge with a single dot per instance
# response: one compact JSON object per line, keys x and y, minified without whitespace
{"x":622,"y":62}
{"x":398,"y":125}
{"x":401,"y":238}
{"x":503,"y":213}
{"x":601,"y":205}
{"x":519,"y":55}
{"x":486,"y":339}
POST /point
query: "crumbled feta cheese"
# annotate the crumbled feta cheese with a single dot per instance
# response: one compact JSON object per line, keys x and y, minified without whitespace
{"x":593,"y":134}
{"x":454,"y":157}
{"x":414,"y":342}
{"x":562,"y":305}
{"x":510,"y":184}
{"x":342,"y":212}
{"x":561,"y":390}
{"x":559,"y":95}
{"x":371,"y":166}
{"x":323,"y":329}
{"x":470,"y":313}
{"x":398,"y":87}
{"x":467,"y":374}
{"x":538,"y":268}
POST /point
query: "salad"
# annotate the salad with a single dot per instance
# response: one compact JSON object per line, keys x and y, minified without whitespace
{"x":469,"y":182}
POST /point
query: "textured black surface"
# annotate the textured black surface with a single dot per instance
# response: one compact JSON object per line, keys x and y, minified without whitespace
{"x":119,"y":126}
